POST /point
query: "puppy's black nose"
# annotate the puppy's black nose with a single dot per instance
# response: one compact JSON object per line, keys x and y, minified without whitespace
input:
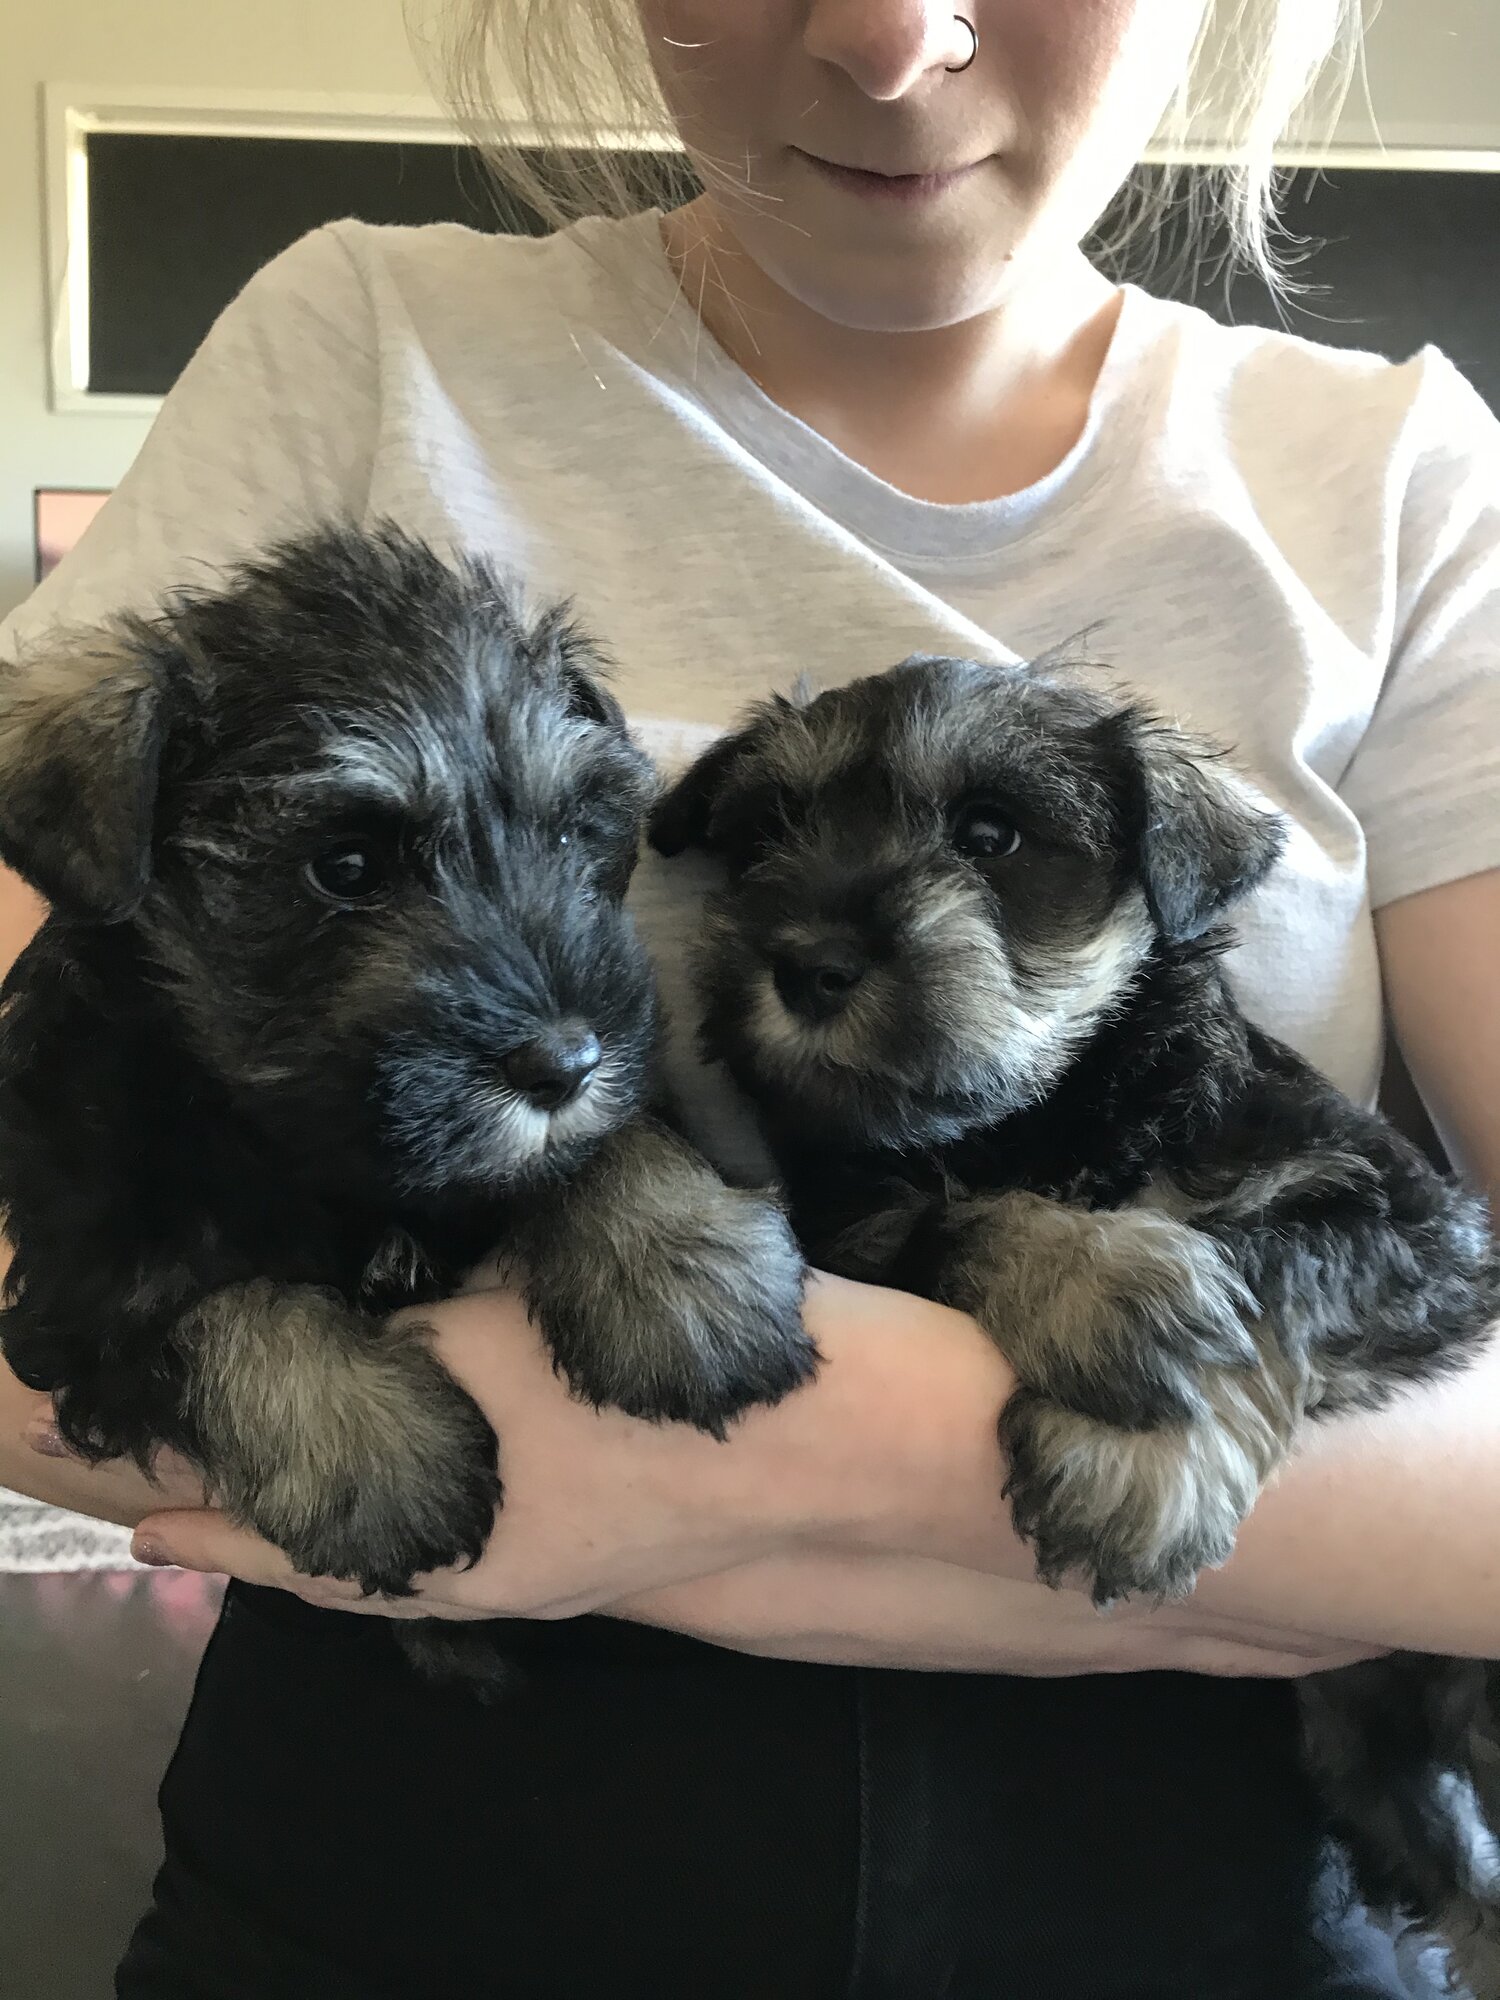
{"x":818,"y":980}
{"x":551,"y":1070}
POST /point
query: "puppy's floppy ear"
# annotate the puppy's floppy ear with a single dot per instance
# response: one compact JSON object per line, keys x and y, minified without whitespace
{"x":81,"y":730}
{"x":561,"y":646}
{"x":683,"y":815}
{"x":1203,"y":842}
{"x":588,"y":695}
{"x":590,"y":698}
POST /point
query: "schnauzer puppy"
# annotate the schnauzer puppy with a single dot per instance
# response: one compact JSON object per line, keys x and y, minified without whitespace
{"x":966,"y":963}
{"x":337,"y":993}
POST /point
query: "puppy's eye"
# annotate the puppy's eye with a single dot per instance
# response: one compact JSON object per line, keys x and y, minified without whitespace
{"x":590,"y":827}
{"x":352,"y":872}
{"x":983,"y":833}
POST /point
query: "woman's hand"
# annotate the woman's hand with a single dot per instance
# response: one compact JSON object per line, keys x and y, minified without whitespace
{"x":756,"y":1543}
{"x":759,"y":1541}
{"x":598,"y":1505}
{"x":891,"y":1454}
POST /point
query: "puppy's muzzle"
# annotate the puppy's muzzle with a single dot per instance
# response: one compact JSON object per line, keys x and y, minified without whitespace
{"x":555,"y":1067}
{"x":817,"y":979}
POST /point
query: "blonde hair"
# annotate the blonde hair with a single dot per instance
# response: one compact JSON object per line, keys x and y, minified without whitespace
{"x":578,"y":81}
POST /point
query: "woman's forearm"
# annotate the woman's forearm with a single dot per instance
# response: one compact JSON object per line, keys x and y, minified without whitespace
{"x":113,"y":1492}
{"x":842,"y":1522}
{"x":1382,"y":1529}
{"x":909,"y":1613}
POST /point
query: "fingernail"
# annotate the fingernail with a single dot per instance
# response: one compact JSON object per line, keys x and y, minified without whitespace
{"x":147,"y":1549}
{"x":49,"y":1442}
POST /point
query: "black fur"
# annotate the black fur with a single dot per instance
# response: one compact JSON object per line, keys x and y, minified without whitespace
{"x":338,"y":901}
{"x":1023,"y":1086}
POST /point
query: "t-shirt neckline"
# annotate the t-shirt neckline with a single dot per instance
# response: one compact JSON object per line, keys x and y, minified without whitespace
{"x":910,"y":532}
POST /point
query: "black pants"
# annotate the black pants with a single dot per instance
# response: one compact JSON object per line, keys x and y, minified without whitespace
{"x":647,"y":1816}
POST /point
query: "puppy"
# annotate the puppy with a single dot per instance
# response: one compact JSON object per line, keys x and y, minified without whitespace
{"x":337,"y":993}
{"x":966,"y":962}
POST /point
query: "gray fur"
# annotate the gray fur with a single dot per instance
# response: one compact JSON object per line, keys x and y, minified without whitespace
{"x":698,"y":1281}
{"x":966,"y":962}
{"x":249,"y":1111}
{"x":1152,"y":1414}
{"x":344,"y":1443}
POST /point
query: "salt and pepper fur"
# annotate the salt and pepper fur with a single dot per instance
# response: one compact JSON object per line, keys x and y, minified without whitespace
{"x":241,"y":1125}
{"x":1039,"y":1102}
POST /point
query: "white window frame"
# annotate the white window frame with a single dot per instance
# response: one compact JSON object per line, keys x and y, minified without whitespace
{"x":70,"y":112}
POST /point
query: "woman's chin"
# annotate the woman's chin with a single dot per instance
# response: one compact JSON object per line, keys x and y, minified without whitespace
{"x":912,"y":287}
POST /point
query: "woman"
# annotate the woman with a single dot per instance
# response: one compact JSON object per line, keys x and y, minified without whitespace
{"x":864,"y":396}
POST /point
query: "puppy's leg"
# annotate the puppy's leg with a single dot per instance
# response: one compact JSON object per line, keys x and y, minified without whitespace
{"x":1367,"y":1261}
{"x":662,"y":1291}
{"x":1379,"y":1272}
{"x":1149,"y":1412}
{"x":1392,"y":1744}
{"x":335,"y":1436}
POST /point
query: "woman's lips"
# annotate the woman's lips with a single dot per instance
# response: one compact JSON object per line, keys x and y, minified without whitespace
{"x":887,"y":187}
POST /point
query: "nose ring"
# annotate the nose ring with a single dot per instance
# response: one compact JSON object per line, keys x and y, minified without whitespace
{"x":957,"y":69}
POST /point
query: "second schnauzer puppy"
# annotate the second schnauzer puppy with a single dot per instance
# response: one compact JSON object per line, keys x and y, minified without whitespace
{"x":337,"y":994}
{"x":967,"y":965}
{"x":966,"y":962}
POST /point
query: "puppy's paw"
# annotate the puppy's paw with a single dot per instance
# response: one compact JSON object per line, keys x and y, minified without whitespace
{"x":669,"y":1295}
{"x":1126,"y":1315}
{"x":1131,"y":1513}
{"x":340,"y":1440}
{"x":392,"y":1511}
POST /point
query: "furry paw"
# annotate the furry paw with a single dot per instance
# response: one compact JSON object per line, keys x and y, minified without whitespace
{"x":668,"y":1295}
{"x":392,"y":1512}
{"x":340,"y":1440}
{"x":1122,"y":1314}
{"x":1131,"y":1513}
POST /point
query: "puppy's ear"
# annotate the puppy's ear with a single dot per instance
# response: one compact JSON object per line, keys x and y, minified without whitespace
{"x":579,"y":665}
{"x":587,"y":693}
{"x":682,"y":817}
{"x":590,"y":698}
{"x":1204,"y":843}
{"x":81,"y":730}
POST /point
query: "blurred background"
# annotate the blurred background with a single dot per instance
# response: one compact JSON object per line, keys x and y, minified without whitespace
{"x":152,"y":154}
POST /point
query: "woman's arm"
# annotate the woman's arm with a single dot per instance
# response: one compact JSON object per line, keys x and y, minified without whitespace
{"x":884,"y":1472}
{"x":32,"y":1463}
{"x":895,"y":1612}
{"x":1380,"y":1532}
{"x":109,"y":1492}
{"x":1440,"y":960}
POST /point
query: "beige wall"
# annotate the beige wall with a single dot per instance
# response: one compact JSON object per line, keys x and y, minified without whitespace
{"x":1434,"y":73}
{"x":1434,"y":68}
{"x":301,"y":45}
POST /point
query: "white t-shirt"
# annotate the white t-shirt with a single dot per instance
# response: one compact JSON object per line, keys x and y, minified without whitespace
{"x":1290,"y":548}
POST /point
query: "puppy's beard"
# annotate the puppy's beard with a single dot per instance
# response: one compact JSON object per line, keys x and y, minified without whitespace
{"x":952,"y":1032}
{"x":528,"y":1142}
{"x":830,"y":1079}
{"x":454,"y":1127}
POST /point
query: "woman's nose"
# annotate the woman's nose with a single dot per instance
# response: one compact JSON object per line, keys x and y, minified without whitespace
{"x":886,"y":47}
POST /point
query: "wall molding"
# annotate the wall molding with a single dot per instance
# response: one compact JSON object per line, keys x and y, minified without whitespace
{"x":70,"y":112}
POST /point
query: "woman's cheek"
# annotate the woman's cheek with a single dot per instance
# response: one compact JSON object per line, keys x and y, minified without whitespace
{"x":716,"y":64}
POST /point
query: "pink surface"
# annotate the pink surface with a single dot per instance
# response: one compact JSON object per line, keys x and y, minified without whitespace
{"x":61,"y":518}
